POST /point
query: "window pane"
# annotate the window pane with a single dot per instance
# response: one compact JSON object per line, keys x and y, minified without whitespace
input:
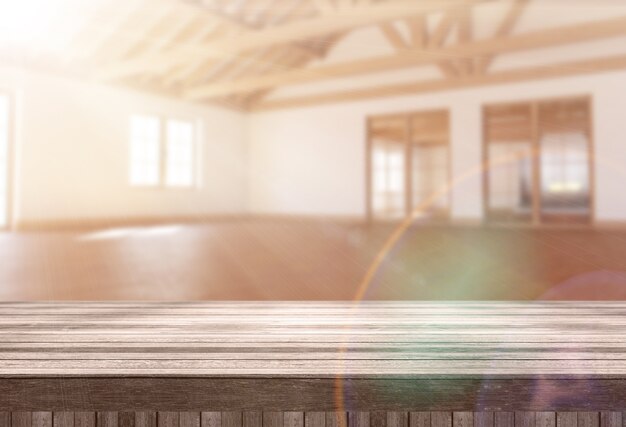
{"x":388,"y":176}
{"x":180,"y":154}
{"x":144,"y":151}
{"x":510,"y":177}
{"x":564,"y":173}
{"x":430,"y":178}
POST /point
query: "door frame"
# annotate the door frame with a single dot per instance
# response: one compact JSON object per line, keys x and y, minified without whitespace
{"x":408,"y":145}
{"x":534,"y":104}
{"x":11,"y":116}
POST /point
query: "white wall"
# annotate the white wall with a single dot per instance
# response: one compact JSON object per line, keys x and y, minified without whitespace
{"x":311,"y":161}
{"x":72,"y":141}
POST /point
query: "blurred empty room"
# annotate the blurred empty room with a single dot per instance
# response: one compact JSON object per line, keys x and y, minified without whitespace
{"x":174,"y":150}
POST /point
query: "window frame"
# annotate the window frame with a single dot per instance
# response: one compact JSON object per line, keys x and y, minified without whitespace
{"x":196,"y":162}
{"x":409,"y":142}
{"x":536,"y":132}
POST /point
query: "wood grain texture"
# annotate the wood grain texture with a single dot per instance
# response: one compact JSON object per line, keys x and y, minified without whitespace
{"x":245,"y":364}
{"x":318,"y":418}
{"x":314,"y":340}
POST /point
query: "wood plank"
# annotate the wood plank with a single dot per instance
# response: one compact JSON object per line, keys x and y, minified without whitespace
{"x":146,"y":419}
{"x":504,"y":419}
{"x":88,"y":419}
{"x":189,"y":419}
{"x":566,"y":419}
{"x":525,"y":419}
{"x":336,"y":419}
{"x":43,"y":419}
{"x":545,"y":419}
{"x":107,"y":419}
{"x":5,"y":419}
{"x":252,"y":419}
{"x":358,"y":419}
{"x":273,"y":419}
{"x":334,"y":22}
{"x":21,"y":419}
{"x":293,"y":419}
{"x":463,"y":419}
{"x":168,"y":419}
{"x":315,"y":419}
{"x":378,"y":419}
{"x":588,"y":419}
{"x":483,"y":419}
{"x":126,"y":419}
{"x":399,"y":419}
{"x":233,"y":418}
{"x":63,"y":419}
{"x":563,"y":69}
{"x":441,"y":419}
{"x":611,"y":419}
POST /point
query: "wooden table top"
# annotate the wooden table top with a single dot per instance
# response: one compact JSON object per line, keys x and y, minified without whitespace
{"x":314,"y":339}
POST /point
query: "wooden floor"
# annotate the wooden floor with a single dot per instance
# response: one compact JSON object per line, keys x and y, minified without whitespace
{"x":291,"y":260}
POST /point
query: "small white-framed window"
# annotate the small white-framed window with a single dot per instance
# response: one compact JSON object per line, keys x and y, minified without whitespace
{"x":180,"y":154}
{"x":145,"y":151}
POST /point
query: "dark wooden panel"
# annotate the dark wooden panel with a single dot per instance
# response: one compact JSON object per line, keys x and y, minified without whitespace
{"x":378,"y":419}
{"x":588,"y":419}
{"x":504,"y":419}
{"x":441,"y":419}
{"x":272,"y":419}
{"x":545,"y":419}
{"x":168,"y":419}
{"x":42,"y":419}
{"x":88,"y":419}
{"x":252,"y":419}
{"x":315,"y":419}
{"x":189,"y":419}
{"x":220,"y":394}
{"x":126,"y":419}
{"x":293,"y":419}
{"x":566,"y":419}
{"x":63,"y":419}
{"x":358,"y":419}
{"x":610,"y":419}
{"x":336,"y":419}
{"x":525,"y":419}
{"x":419,"y":419}
{"x":483,"y":419}
{"x":107,"y":419}
{"x":232,"y":419}
{"x":21,"y":419}
{"x":463,"y":419}
{"x":398,"y":419}
{"x":145,"y":419}
{"x":211,"y":419}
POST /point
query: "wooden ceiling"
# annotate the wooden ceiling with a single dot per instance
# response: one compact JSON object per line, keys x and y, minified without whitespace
{"x":236,"y":52}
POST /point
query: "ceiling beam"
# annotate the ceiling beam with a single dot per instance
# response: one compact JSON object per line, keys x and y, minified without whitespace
{"x":505,"y":28}
{"x":417,"y":57}
{"x":563,"y":69}
{"x":339,"y":20}
{"x":393,"y":36}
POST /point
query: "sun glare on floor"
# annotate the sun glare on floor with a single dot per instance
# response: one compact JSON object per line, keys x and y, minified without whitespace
{"x":126,"y":232}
